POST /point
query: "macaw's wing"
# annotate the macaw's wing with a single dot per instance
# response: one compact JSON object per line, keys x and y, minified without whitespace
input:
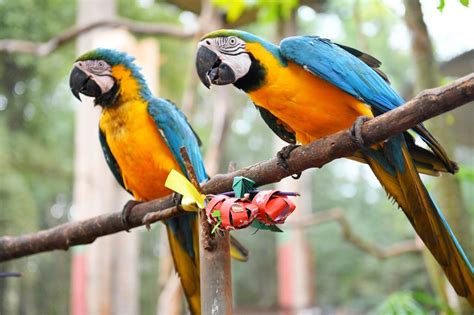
{"x":183,"y":230}
{"x":281,"y":129}
{"x":343,"y":67}
{"x":177,"y":132}
{"x":356,"y":73}
{"x":369,"y":60}
{"x":110,"y":159}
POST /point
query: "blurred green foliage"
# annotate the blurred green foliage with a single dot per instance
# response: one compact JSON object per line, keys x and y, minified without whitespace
{"x":412,"y":303}
{"x":36,"y":161}
{"x":442,"y":4}
{"x":269,"y":11}
{"x":36,"y":137}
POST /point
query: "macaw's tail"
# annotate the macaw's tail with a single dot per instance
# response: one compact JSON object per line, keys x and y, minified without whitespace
{"x":394,"y":167}
{"x":183,"y":236}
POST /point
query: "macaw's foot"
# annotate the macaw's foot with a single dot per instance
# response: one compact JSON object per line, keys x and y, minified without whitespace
{"x":356,"y":132}
{"x":283,"y":155}
{"x":127,"y":209}
{"x":177,"y":199}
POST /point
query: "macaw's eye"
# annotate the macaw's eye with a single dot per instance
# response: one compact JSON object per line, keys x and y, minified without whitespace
{"x":232,"y":41}
{"x":98,"y":66}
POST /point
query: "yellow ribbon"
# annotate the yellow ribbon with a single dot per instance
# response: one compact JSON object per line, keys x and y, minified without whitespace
{"x":191,"y":196}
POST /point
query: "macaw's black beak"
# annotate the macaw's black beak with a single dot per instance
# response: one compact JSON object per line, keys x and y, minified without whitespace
{"x":80,"y":82}
{"x":211,"y":70}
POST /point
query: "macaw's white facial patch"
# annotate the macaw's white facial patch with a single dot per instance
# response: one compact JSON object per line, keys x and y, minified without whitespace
{"x":230,"y":50}
{"x":99,"y":71}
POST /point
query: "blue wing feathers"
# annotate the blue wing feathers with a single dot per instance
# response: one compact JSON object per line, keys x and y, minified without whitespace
{"x":351,"y":70}
{"x":339,"y":67}
{"x":177,"y":133}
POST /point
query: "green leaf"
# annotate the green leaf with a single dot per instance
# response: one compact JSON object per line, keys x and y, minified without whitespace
{"x":411,"y":303}
{"x":216,"y":214}
{"x":214,"y":229}
{"x":441,"y":5}
{"x":466,"y":173}
{"x":233,"y":9}
{"x":261,"y":226}
{"x":464,"y":2}
{"x":429,"y":300}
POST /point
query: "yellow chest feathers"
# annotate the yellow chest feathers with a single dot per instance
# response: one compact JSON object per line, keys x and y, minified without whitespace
{"x":138,"y":147}
{"x":311,"y":106}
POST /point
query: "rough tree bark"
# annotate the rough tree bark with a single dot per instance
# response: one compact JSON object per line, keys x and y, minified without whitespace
{"x":448,"y":188}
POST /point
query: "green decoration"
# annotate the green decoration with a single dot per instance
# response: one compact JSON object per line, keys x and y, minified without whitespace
{"x":242,"y":185}
{"x":271,"y":227}
{"x":216,"y":214}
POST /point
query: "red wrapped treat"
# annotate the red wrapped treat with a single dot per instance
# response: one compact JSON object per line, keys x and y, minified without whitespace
{"x":233,"y":213}
{"x":272,"y":207}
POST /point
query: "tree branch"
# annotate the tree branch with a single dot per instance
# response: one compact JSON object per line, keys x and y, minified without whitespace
{"x":45,"y":48}
{"x":426,"y":105}
{"x":373,"y":249}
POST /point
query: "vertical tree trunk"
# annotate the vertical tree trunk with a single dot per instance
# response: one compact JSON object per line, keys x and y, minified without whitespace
{"x":294,"y":255}
{"x":220,"y":97}
{"x":222,"y":115}
{"x":105,"y":273}
{"x":448,"y":189}
{"x":171,"y":293}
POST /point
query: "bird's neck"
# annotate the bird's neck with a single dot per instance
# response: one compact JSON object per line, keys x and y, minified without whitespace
{"x":254,"y":78}
{"x":266,"y":58}
{"x":130,"y":86}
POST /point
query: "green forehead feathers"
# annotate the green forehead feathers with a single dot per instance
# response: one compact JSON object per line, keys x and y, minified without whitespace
{"x":247,"y":37}
{"x":111,"y":56}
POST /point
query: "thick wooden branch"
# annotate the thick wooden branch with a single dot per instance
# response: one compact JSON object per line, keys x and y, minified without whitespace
{"x":426,"y":105}
{"x":337,"y":215}
{"x":139,"y":28}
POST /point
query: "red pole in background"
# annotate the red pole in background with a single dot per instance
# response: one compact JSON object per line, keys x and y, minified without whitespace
{"x":296,"y":291}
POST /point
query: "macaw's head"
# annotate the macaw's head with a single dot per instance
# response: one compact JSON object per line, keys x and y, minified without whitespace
{"x":106,"y":74}
{"x":228,"y":56}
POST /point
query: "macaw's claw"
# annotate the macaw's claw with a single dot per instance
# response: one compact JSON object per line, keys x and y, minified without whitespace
{"x":177,"y":199}
{"x":356,"y":132}
{"x":126,"y":213}
{"x":283,"y":155}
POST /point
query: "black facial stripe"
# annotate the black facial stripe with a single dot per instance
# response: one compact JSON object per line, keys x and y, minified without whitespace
{"x":104,"y":75}
{"x":108,"y":99}
{"x":232,"y":49}
{"x":236,"y":54}
{"x":220,"y":41}
{"x":254,"y":78}
{"x":224,"y":44}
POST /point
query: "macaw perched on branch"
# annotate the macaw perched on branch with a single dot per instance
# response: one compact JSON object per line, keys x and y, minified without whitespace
{"x":141,"y":137}
{"x":308,"y":88}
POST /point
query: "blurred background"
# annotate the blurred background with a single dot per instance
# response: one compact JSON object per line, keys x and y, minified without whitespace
{"x":358,"y":253}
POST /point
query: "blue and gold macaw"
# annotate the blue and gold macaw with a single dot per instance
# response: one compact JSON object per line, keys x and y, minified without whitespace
{"x":308,"y":88}
{"x":141,"y":137}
